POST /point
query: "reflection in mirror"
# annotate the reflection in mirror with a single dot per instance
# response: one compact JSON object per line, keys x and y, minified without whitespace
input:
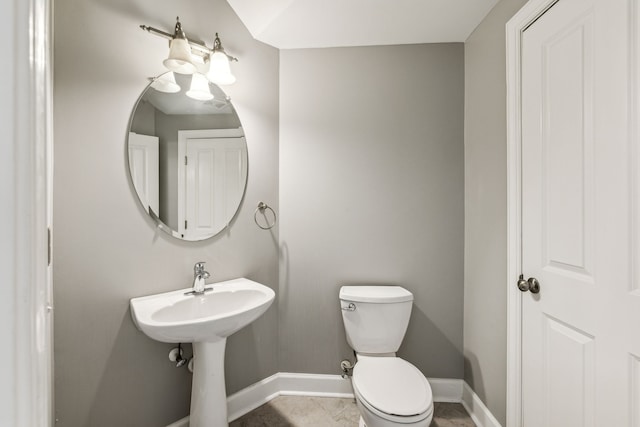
{"x":187,"y":156}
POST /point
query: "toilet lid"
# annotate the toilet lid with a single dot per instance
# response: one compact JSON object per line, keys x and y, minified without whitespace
{"x":392,"y":385}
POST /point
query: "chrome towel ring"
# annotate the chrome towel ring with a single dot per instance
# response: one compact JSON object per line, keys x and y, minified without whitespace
{"x":262,"y":207}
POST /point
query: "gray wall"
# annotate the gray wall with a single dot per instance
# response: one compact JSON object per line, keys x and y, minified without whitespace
{"x":107,"y":250}
{"x":144,"y":121}
{"x":485,"y":293}
{"x":371,"y":191}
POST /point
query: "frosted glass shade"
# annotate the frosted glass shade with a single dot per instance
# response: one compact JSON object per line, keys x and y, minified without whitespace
{"x":199,"y":88}
{"x":219,"y":70}
{"x":179,"y":59}
{"x":166,"y":83}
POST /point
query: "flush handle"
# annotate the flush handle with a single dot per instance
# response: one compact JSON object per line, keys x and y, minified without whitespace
{"x":350,"y":307}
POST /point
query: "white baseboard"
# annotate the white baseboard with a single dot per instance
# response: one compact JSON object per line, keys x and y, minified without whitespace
{"x":478,"y":411}
{"x":291,"y":384}
{"x":286,"y":384}
{"x":281,"y":384}
{"x":446,"y":389}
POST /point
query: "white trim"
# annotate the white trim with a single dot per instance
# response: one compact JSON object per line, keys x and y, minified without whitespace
{"x":292,"y":384}
{"x":446,"y":390}
{"x":514,"y":28}
{"x":478,"y":411}
{"x":286,"y":384}
{"x":248,"y":399}
{"x":25,"y":153}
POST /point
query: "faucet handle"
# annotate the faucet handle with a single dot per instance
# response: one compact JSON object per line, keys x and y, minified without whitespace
{"x":198,"y":267}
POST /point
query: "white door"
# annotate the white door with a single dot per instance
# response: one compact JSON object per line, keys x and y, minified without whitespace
{"x":581,"y":332}
{"x":144,"y":165}
{"x":215,"y":176}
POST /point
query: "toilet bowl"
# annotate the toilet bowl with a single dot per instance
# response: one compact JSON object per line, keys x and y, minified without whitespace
{"x":389,"y":391}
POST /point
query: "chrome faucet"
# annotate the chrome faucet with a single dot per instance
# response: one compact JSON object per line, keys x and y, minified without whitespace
{"x":199,"y":276}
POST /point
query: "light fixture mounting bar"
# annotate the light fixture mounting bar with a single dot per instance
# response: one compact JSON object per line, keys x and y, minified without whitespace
{"x":200,"y":49}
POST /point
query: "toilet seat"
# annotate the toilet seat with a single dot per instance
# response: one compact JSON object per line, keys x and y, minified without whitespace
{"x":395,"y":419}
{"x":393,"y":389}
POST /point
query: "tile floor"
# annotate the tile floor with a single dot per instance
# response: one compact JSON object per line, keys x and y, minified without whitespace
{"x":298,"y":411}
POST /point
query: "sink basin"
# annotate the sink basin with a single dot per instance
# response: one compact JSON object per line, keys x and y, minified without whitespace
{"x":175,"y":317}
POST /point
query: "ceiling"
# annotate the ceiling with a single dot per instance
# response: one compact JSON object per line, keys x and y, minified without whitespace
{"x":295,"y":24}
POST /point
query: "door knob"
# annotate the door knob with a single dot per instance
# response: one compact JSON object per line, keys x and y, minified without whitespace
{"x":532,"y":284}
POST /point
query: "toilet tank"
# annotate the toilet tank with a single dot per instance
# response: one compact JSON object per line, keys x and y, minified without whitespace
{"x":375,"y":317}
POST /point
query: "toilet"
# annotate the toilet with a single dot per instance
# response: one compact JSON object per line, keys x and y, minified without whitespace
{"x":389,"y":391}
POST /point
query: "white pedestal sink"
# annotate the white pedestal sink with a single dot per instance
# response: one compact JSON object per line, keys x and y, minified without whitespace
{"x":206,"y":321}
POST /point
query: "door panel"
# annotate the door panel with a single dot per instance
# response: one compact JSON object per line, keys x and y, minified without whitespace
{"x":569,"y":366}
{"x":203,"y":189}
{"x":567,"y":85}
{"x":579,"y":223}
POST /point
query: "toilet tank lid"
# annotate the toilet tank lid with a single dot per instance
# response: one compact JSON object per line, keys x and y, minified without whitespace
{"x":375,"y":294}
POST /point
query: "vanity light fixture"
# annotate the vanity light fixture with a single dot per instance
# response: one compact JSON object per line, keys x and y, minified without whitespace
{"x":199,"y":89}
{"x":184,"y":54}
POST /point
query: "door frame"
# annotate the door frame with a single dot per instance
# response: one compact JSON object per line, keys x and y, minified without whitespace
{"x":529,"y":13}
{"x":26,"y":116}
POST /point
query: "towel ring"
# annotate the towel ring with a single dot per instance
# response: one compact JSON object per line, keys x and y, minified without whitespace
{"x":261,"y":208}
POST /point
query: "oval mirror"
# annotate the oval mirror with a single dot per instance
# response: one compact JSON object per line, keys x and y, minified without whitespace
{"x":187,"y":155}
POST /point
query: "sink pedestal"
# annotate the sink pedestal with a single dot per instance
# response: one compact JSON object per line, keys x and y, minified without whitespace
{"x":206,"y":321}
{"x":208,"y":393}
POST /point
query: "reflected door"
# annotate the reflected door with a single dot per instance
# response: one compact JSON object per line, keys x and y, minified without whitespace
{"x":144,"y":167}
{"x":581,"y":344}
{"x":215,"y":174}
